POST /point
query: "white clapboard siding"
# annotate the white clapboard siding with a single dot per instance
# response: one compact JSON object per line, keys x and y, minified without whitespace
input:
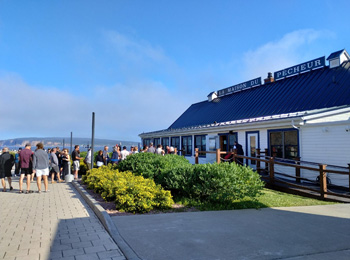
{"x":326,"y":145}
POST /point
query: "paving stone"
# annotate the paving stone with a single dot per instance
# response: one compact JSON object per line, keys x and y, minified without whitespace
{"x":111,"y":253}
{"x":54,"y":225}
{"x":61,"y":247}
{"x":92,"y":256}
{"x":117,"y":258}
{"x":94,"y":249}
{"x":110,"y":246}
{"x":73,"y":252}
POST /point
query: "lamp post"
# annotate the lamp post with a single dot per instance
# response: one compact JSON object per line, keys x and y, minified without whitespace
{"x":92,"y":140}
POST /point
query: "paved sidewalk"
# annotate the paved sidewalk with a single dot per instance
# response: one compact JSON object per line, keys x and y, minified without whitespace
{"x":54,"y":225}
{"x":298,"y":233}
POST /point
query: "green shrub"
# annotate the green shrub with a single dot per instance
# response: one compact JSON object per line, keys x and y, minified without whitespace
{"x":151,"y":165}
{"x":130,"y":193}
{"x":218,"y":183}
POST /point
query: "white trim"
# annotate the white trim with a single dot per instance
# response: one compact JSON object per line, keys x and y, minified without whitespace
{"x":328,"y":113}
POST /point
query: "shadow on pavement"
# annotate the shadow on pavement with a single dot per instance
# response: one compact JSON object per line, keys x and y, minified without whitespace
{"x":240,"y":234}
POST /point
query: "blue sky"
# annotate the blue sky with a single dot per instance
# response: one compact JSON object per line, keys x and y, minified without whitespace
{"x":140,"y":64}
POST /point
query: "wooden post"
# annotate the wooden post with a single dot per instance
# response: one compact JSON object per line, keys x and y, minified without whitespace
{"x":258,"y":162}
{"x":323,"y":181}
{"x":266,"y":153}
{"x":272,"y":170}
{"x":297,"y":169}
{"x":218,"y":155}
{"x":196,"y":155}
{"x":175,"y":150}
{"x":349,"y":175}
{"x":234,"y":152}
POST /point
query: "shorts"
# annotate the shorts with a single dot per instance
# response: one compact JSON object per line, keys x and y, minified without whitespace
{"x":26,"y":171}
{"x":42,"y":172}
{"x":5,"y":173}
{"x":76,"y":165}
{"x":55,"y":169}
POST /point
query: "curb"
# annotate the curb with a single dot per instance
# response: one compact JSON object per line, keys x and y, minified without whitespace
{"x":107,"y":222}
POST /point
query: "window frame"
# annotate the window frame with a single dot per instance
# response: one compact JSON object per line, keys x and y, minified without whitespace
{"x":228,"y":138}
{"x":167,"y":143}
{"x":156,"y":141}
{"x":205,"y":146}
{"x":188,"y":137}
{"x":146,"y":141}
{"x":171,"y":143}
{"x":283,"y":130}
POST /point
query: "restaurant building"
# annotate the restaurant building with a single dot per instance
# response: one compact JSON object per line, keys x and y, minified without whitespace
{"x":302,"y":111}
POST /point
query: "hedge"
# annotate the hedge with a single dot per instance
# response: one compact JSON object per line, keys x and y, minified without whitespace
{"x":129,"y":192}
{"x":204,"y":182}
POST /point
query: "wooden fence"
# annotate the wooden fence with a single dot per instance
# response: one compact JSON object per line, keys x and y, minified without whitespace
{"x":268,"y":172}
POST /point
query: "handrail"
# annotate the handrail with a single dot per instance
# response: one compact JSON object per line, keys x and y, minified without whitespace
{"x":321,"y":171}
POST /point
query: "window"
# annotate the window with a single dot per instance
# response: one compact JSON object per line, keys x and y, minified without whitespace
{"x":187,"y":145}
{"x":227,"y":141}
{"x":146,"y":142}
{"x":200,"y":143}
{"x":232,"y":138}
{"x":284,"y":143}
{"x":175,"y":142}
{"x":165,"y":142}
{"x":156,"y":142}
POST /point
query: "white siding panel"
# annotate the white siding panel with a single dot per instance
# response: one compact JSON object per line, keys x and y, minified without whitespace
{"x":326,"y":145}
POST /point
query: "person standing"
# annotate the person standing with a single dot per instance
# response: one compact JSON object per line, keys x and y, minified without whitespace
{"x":54,"y":166}
{"x":25,"y":160}
{"x":17,"y":165}
{"x":115,"y":155}
{"x":65,"y":162}
{"x":160,"y":150}
{"x":239,"y":150}
{"x":6,"y":163}
{"x":124,"y":154}
{"x":151,"y":148}
{"x":76,"y":161}
{"x":87,"y":159}
{"x":41,"y":166}
{"x":99,"y":159}
{"x":105,"y":155}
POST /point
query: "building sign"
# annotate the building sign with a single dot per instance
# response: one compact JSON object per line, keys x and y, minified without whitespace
{"x":303,"y":67}
{"x":240,"y":87}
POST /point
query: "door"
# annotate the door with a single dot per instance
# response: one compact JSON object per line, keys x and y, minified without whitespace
{"x":252,"y":145}
{"x":223,"y":143}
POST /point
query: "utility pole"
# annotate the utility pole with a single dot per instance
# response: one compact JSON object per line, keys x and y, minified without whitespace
{"x":71,"y":142}
{"x":92,"y":140}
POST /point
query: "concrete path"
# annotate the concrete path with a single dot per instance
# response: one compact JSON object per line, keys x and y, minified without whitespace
{"x":315,"y":232}
{"x":54,"y":225}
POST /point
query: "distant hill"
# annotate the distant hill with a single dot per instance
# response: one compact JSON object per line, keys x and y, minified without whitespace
{"x":62,"y":141}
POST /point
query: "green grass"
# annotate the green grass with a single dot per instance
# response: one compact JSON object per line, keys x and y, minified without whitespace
{"x":269,"y":198}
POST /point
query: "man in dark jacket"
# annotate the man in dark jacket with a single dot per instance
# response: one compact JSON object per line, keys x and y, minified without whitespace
{"x":6,"y":163}
{"x":239,"y":150}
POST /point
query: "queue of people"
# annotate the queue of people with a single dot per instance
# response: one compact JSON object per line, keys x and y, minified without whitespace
{"x":29,"y":164}
{"x":103,"y":158}
{"x":55,"y":163}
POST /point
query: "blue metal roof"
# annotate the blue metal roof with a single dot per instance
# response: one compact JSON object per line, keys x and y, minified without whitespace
{"x":317,"y":89}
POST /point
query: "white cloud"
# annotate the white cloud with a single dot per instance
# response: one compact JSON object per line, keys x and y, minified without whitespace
{"x":291,"y":49}
{"x":34,"y":111}
{"x":133,"y":49}
{"x":122,"y":111}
